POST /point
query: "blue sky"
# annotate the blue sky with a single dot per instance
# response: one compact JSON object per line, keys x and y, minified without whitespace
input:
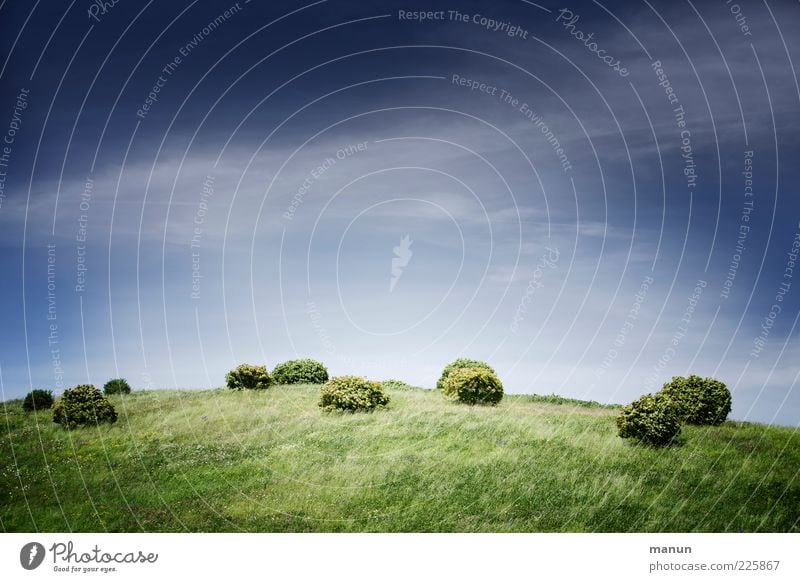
{"x":588,"y":232}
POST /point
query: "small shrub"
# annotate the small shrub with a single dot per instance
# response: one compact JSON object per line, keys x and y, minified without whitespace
{"x":395,"y":385}
{"x":459,"y":364}
{"x":83,"y":405}
{"x":351,"y":393}
{"x":117,"y":386}
{"x":652,"y":420}
{"x":703,"y":401}
{"x":300,"y":372}
{"x":247,"y":377}
{"x":38,"y":400}
{"x":473,"y":386}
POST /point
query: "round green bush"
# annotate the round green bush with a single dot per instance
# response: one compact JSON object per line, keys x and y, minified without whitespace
{"x":352,"y":394}
{"x":303,"y":371}
{"x":652,"y":420}
{"x":703,"y":401}
{"x":247,"y":377}
{"x":37,"y":400}
{"x":460,"y":364}
{"x":393,"y":384}
{"x":83,"y":405}
{"x":117,"y":386}
{"x":473,"y":386}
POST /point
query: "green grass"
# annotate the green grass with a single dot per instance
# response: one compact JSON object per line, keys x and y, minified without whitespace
{"x":556,"y":399}
{"x":272,"y":461}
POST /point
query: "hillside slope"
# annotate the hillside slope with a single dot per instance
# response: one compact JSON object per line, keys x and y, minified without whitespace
{"x":272,"y":461}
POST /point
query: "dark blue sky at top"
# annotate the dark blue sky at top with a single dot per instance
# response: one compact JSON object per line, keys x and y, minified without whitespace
{"x":473,"y":182}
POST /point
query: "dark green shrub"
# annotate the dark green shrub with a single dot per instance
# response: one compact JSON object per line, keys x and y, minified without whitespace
{"x":83,"y":405}
{"x":473,"y":386}
{"x":652,"y":420}
{"x":38,"y":400}
{"x":117,"y":386}
{"x":303,"y":371}
{"x":247,"y":377}
{"x":704,"y":401}
{"x":351,"y":393}
{"x":459,"y":364}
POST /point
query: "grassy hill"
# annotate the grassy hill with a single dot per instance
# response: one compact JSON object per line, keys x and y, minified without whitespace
{"x":272,"y":461}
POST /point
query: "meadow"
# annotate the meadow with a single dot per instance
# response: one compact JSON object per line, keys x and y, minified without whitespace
{"x":272,"y":461}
